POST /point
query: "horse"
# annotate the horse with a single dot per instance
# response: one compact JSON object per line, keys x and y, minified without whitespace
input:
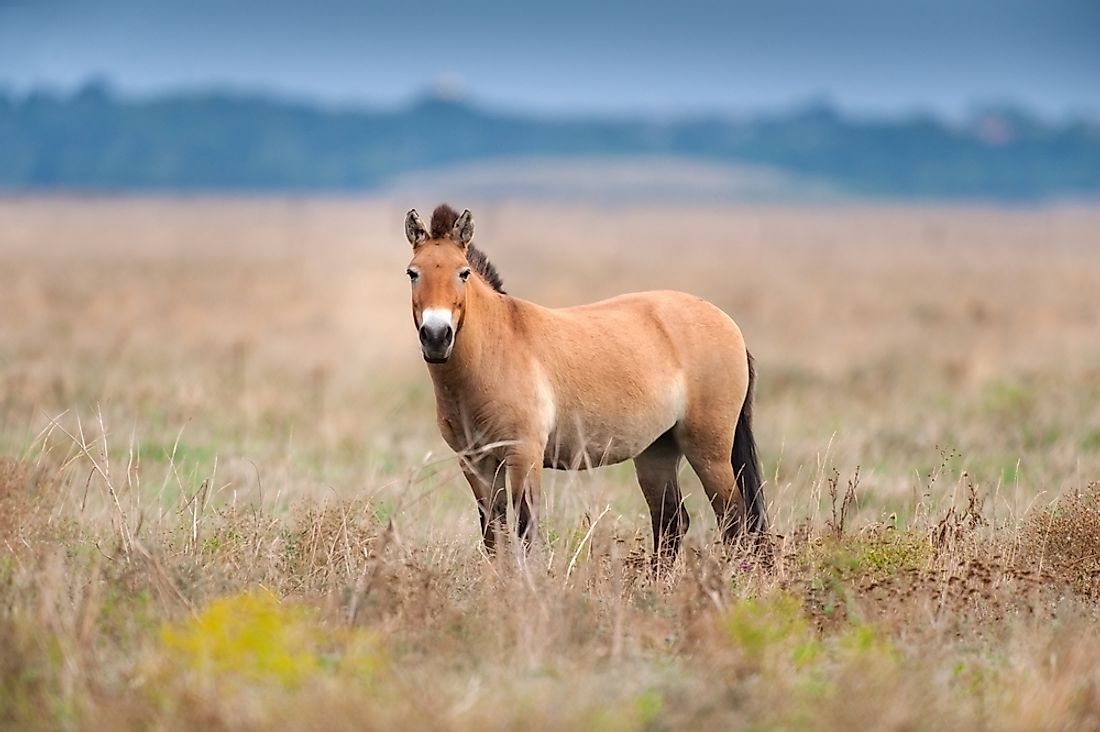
{"x":652,"y":377}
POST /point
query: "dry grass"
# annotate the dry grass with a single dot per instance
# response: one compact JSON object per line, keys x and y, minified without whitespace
{"x":223,"y":502}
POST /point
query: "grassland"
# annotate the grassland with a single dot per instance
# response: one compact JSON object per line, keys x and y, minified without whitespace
{"x":224,"y":504}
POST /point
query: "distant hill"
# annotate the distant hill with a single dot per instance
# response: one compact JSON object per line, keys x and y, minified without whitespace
{"x":610,"y":180}
{"x":94,"y":140}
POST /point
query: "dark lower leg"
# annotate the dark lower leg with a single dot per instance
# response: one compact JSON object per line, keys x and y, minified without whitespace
{"x":670,"y":522}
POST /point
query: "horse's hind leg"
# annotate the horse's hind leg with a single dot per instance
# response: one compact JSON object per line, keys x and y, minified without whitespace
{"x":708,"y":452}
{"x":656,"y":467}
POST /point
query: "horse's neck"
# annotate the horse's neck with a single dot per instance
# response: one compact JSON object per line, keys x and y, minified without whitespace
{"x":480,"y":350}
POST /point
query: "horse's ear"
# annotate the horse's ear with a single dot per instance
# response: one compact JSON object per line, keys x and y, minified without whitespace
{"x":463,"y":230}
{"x":415,"y":230}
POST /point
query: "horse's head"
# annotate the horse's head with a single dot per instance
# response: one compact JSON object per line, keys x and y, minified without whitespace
{"x":438,"y":272}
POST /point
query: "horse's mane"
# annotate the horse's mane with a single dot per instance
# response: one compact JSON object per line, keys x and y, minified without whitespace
{"x":481,"y":264}
{"x":443,"y":222}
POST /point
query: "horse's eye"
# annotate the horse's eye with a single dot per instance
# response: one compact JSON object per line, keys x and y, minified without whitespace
{"x":464,"y":275}
{"x":413,"y":274}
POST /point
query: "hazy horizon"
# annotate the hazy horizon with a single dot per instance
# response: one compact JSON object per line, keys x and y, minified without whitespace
{"x":442,"y":89}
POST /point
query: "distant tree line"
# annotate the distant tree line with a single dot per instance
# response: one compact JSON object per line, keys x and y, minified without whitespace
{"x":95,"y":140}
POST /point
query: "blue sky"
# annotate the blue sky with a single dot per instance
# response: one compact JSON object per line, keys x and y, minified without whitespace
{"x":569,"y":57}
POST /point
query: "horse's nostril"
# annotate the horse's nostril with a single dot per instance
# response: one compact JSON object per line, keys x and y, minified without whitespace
{"x":441,"y":336}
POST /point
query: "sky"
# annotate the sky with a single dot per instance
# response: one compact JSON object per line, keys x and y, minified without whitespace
{"x":876,"y":57}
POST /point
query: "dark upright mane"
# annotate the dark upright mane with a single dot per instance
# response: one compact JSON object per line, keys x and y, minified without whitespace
{"x":443,"y":222}
{"x":481,"y":264}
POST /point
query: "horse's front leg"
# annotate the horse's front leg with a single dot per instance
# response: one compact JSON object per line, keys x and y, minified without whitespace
{"x":486,"y":478}
{"x":525,"y":480}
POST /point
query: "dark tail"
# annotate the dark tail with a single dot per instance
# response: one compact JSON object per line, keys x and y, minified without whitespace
{"x":746,"y":466}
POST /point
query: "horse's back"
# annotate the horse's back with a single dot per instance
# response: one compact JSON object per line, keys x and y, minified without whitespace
{"x":685,"y":329}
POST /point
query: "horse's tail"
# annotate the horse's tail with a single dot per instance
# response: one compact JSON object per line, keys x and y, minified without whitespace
{"x":746,"y":465}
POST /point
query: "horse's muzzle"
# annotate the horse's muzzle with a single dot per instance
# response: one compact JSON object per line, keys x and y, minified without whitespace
{"x":436,"y":342}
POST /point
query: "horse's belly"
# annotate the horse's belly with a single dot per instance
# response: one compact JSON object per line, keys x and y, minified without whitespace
{"x":581,"y":456}
{"x":587,"y":430}
{"x":586,"y":444}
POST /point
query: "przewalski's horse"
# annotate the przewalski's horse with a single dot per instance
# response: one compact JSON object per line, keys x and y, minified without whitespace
{"x":651,"y":376}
